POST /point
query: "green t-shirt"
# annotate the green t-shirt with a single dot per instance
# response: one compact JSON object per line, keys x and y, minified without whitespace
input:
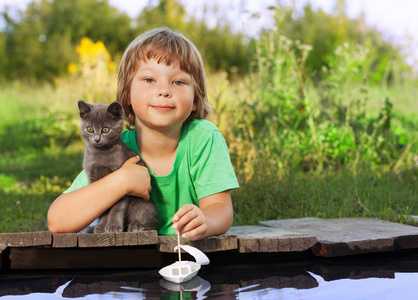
{"x":202,"y":168}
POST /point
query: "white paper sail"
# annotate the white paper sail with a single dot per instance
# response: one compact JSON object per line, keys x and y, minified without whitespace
{"x":198,"y":255}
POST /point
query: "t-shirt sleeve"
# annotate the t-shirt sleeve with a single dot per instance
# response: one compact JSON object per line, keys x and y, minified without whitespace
{"x":80,"y":181}
{"x":211,"y":167}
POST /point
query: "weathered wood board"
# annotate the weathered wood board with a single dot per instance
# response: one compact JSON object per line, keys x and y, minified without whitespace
{"x":64,"y":240}
{"x":92,"y":240}
{"x":71,"y":240}
{"x":349,"y":236}
{"x":217,"y":243}
{"x":321,"y":237}
{"x":267,"y":239}
{"x":26,"y":239}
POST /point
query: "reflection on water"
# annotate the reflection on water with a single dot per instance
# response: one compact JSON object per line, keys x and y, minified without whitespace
{"x":366,"y":278}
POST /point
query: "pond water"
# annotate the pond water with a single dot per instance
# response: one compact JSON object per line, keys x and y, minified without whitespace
{"x":367,"y":277}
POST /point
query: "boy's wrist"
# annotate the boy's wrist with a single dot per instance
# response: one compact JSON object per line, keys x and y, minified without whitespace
{"x":121,"y":182}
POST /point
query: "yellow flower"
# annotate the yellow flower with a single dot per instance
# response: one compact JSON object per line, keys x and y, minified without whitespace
{"x":72,"y":68}
{"x":111,"y":65}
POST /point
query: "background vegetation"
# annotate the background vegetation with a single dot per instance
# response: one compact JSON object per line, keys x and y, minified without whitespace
{"x":319,"y":111}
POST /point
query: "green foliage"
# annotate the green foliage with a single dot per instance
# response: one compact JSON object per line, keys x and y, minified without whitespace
{"x":325,"y":32}
{"x":41,"y":43}
{"x":301,"y":149}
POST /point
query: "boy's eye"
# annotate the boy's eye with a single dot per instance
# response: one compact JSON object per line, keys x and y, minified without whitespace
{"x":178,"y":82}
{"x":149,"y":80}
{"x":105,"y":129}
{"x":90,"y":129}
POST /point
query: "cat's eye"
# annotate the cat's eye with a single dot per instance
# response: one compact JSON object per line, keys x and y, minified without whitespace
{"x":105,"y":129}
{"x":90,"y":129}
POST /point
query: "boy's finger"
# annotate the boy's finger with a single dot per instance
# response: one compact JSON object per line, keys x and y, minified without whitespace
{"x":133,"y":160}
{"x":180,"y":221}
{"x":181,"y":212}
{"x":194,"y":234}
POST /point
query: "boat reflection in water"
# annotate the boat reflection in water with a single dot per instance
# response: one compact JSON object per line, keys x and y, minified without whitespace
{"x":369,"y":277}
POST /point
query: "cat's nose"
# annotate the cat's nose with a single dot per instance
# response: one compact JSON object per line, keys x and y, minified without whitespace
{"x":97,"y":138}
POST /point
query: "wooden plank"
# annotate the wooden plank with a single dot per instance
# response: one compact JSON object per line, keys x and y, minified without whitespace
{"x":126,"y":239}
{"x":21,"y":239}
{"x":26,"y":239}
{"x":348,"y":236}
{"x":64,"y":240}
{"x":41,"y":238}
{"x":43,"y":258}
{"x":149,"y":237}
{"x":222,"y":242}
{"x":255,"y":238}
{"x":92,"y":240}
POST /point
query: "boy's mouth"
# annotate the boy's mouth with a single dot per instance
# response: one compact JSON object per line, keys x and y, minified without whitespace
{"x":162,"y":107}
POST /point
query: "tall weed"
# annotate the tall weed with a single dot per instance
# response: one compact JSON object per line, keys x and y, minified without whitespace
{"x":281,"y":122}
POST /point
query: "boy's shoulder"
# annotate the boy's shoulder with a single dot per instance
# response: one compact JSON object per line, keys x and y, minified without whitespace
{"x":202,"y":126}
{"x":201,"y":132}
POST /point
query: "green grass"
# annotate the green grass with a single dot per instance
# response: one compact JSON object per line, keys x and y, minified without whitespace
{"x":283,"y":173}
{"x":41,"y":153}
{"x":337,"y":194}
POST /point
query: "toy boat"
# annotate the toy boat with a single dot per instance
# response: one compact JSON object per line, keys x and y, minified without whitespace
{"x":182,"y":271}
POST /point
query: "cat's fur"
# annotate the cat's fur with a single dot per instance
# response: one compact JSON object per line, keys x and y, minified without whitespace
{"x":101,"y":127}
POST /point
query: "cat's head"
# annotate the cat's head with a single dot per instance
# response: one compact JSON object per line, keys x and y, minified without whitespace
{"x":101,"y":124}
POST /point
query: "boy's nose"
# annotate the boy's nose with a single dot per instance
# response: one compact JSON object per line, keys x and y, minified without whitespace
{"x":164,"y":92}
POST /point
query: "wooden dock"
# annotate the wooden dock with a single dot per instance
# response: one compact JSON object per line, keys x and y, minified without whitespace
{"x":306,"y":237}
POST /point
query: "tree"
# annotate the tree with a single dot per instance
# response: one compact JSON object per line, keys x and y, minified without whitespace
{"x":42,"y":42}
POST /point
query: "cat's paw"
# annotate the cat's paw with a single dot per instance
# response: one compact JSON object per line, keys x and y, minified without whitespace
{"x":113,"y":228}
{"x":135,"y":227}
{"x":99,"y":229}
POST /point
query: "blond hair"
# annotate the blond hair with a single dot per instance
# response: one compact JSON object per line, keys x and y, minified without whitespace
{"x":168,"y":47}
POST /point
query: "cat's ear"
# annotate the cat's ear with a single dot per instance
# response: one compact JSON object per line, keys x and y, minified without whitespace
{"x":84,"y":108}
{"x":115,"y":110}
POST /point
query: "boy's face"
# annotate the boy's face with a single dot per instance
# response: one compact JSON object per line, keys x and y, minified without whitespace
{"x":162,"y":97}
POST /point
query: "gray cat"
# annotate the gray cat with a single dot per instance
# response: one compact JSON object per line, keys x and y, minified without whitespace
{"x":101,"y":127}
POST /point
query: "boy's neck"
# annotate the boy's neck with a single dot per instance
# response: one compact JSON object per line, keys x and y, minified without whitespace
{"x":158,"y":149}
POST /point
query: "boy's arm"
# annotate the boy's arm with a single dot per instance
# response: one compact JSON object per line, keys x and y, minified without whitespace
{"x":214,"y":216}
{"x":75,"y":210}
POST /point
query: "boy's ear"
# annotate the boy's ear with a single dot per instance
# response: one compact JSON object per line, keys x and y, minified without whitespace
{"x":84,"y":108}
{"x":115,"y":110}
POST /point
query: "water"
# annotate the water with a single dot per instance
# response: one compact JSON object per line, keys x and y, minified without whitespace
{"x":382,"y":276}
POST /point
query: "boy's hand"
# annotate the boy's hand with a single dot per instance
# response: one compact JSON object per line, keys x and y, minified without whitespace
{"x":190,"y":221}
{"x":135,"y":178}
